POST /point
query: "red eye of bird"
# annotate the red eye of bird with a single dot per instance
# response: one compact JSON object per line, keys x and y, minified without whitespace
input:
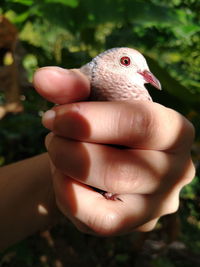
{"x":125,"y":61}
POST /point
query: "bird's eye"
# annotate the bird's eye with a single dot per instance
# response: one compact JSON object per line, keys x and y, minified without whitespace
{"x":125,"y":61}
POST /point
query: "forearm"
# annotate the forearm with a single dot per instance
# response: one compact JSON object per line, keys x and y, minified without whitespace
{"x":27,"y":199}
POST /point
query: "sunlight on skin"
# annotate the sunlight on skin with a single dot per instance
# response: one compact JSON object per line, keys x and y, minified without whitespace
{"x":78,"y":140}
{"x":42,"y":210}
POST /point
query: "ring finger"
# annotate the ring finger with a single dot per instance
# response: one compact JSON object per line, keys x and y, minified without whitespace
{"x":122,"y":171}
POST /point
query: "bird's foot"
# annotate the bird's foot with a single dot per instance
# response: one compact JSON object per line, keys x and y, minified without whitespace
{"x":111,"y":196}
{"x":107,"y":195}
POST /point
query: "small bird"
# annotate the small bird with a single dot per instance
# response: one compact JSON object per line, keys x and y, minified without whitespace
{"x":119,"y":74}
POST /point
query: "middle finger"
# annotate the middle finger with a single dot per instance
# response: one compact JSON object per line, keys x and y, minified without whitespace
{"x":121,"y":171}
{"x":138,"y":124}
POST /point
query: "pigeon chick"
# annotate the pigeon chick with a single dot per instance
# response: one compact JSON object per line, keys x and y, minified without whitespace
{"x":119,"y":74}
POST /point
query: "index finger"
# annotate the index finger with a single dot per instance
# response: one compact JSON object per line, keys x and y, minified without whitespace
{"x":136,"y":124}
{"x":61,"y":86}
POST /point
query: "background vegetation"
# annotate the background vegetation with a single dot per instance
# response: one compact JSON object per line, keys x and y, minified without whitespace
{"x":68,"y":33}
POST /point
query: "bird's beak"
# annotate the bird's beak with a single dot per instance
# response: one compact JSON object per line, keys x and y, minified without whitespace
{"x":150,"y":78}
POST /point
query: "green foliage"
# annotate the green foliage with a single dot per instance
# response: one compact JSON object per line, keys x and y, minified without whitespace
{"x":192,"y":190}
{"x":166,"y":31}
{"x":69,"y":32}
{"x":162,"y":262}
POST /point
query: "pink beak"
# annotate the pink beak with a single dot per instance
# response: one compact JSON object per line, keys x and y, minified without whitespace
{"x":150,"y":78}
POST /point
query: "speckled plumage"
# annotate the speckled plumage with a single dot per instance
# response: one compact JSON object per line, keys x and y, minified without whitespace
{"x":111,"y":80}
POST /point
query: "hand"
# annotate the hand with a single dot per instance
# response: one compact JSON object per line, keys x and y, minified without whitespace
{"x":147,"y":174}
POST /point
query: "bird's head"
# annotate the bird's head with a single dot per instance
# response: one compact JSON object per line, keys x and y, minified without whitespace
{"x":127,"y":62}
{"x":119,"y":74}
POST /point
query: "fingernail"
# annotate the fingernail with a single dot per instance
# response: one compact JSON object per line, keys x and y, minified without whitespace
{"x":45,"y":76}
{"x":48,"y":140}
{"x":48,"y":119}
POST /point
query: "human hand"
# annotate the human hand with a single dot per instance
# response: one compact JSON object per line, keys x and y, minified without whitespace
{"x":147,"y":174}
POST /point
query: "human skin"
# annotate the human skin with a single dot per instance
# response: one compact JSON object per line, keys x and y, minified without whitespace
{"x":85,"y":148}
{"x":27,"y":199}
{"x":148,"y":173}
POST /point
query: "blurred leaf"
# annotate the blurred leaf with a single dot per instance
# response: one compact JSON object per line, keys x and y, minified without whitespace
{"x":173,"y":86}
{"x":30,"y":63}
{"x":191,"y":191}
{"x":71,"y":3}
{"x":186,"y":31}
{"x":2,"y":161}
{"x":122,"y":258}
{"x":162,"y":262}
{"x":24,"y":2}
{"x":31,"y":35}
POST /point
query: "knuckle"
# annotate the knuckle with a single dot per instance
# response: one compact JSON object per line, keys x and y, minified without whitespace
{"x":190,"y":172}
{"x":135,"y":122}
{"x":178,"y":124}
{"x":174,"y":208}
{"x":191,"y":129}
{"x":188,"y":137}
{"x":143,"y":124}
{"x":147,"y":227}
{"x":186,"y":172}
{"x":171,"y":206}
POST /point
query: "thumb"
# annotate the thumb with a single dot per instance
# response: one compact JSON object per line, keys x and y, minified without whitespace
{"x":61,"y":86}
